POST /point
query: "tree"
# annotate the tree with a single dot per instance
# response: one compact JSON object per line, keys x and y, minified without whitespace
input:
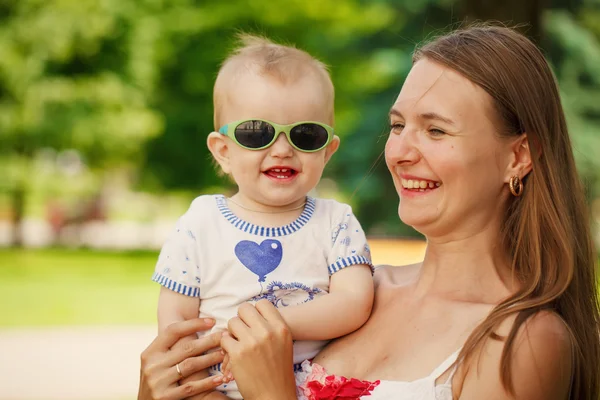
{"x":527,"y":15}
{"x":129,"y":83}
{"x":73,"y":75}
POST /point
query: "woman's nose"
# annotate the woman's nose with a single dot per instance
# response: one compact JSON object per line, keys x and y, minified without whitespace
{"x":402,"y":148}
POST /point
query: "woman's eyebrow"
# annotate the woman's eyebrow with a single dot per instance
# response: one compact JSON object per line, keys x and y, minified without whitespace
{"x":428,"y":116}
{"x":396,"y":113}
{"x":436,"y":117}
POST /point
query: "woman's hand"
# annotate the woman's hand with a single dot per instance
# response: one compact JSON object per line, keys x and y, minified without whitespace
{"x":260,"y":351}
{"x":164,"y":362}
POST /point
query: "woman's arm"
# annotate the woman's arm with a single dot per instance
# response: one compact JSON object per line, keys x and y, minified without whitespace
{"x":260,"y":349}
{"x":158,"y":374}
{"x":343,"y":310}
{"x":540,"y":367}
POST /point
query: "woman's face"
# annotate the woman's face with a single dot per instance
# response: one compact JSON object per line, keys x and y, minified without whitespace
{"x":446,"y":159}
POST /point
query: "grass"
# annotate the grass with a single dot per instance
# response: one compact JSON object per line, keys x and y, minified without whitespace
{"x":52,"y":287}
{"x":63,"y":287}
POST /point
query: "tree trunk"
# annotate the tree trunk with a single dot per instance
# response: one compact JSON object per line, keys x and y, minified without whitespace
{"x":525,"y":15}
{"x":18,"y":210}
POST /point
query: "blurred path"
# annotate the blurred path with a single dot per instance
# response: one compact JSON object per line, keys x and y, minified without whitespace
{"x":82,"y":363}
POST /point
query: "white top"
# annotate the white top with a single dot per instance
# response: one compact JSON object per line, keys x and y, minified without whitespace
{"x":420,"y":389}
{"x":226,"y":261}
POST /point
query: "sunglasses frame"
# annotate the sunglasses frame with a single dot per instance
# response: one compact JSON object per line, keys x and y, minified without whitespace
{"x":229,"y":131}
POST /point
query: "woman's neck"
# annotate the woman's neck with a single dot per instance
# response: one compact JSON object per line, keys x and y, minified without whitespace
{"x":471,"y":268}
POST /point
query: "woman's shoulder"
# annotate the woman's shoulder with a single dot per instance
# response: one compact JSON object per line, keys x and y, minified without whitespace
{"x":395,"y":275}
{"x":544,"y":337}
{"x":540,"y":359}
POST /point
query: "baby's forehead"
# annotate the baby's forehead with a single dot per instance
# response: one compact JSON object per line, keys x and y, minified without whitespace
{"x":237,"y":72}
{"x":250,"y":94}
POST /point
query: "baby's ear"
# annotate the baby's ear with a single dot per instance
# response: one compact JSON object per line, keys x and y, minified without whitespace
{"x":219,"y":147}
{"x":332,"y":148}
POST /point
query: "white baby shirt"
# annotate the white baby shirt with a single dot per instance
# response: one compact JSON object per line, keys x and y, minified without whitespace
{"x":214,"y":255}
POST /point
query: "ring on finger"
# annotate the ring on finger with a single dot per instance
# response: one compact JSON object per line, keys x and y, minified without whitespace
{"x":178,"y":371}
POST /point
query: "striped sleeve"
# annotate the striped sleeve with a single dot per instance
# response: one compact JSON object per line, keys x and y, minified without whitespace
{"x":349,"y":243}
{"x":177,"y":267}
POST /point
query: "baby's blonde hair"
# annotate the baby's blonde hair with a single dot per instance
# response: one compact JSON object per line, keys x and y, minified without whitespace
{"x":261,"y":56}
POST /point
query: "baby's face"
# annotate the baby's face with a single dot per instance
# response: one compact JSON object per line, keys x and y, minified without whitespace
{"x":279,"y":175}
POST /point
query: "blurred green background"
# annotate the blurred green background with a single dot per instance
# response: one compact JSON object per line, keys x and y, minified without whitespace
{"x":105,"y":106}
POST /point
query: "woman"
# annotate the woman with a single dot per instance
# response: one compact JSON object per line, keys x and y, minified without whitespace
{"x":504,"y":305}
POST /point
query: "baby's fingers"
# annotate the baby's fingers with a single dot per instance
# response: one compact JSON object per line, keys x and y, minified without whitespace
{"x":226,"y":370}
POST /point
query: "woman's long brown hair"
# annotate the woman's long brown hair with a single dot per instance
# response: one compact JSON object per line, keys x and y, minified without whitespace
{"x":546,"y":231}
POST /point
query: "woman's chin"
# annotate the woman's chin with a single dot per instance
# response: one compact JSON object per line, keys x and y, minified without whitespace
{"x":418,"y":222}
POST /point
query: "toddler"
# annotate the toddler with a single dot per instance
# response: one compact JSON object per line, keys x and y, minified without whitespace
{"x":273,"y":114}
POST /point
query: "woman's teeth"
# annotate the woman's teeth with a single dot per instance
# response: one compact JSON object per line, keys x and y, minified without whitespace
{"x":419,"y":184}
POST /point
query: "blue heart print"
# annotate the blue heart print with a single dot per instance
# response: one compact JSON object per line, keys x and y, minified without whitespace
{"x":262,"y":258}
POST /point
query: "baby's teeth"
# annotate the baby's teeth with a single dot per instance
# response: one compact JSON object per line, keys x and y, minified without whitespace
{"x":431,"y":185}
{"x":422,"y":184}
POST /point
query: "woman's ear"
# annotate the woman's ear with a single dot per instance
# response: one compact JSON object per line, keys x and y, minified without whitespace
{"x":331,"y":148}
{"x":520,"y":155}
{"x":219,"y":147}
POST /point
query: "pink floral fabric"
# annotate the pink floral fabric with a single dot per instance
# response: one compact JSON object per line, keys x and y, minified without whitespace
{"x":313,"y":383}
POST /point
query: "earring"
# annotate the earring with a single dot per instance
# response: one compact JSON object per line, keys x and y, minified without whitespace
{"x":516,"y":186}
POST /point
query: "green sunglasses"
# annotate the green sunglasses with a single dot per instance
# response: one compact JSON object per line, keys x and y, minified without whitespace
{"x":258,"y":134}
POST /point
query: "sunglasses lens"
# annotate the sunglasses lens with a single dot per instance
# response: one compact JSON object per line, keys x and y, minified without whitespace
{"x":254,"y":134}
{"x":309,"y":136}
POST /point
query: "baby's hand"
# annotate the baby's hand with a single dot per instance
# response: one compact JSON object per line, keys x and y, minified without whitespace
{"x":225,"y":370}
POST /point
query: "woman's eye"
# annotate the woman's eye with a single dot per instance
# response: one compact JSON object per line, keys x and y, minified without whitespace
{"x":396,"y":127}
{"x":436,"y":132}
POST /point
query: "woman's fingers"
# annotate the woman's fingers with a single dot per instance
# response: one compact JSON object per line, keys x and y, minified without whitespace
{"x":263,"y":319}
{"x":254,"y":326}
{"x":193,"y":348}
{"x":192,"y":388}
{"x":192,"y":365}
{"x":226,"y":370}
{"x":228,"y":343}
{"x":177,"y":330}
{"x":260,"y":341}
{"x":237,"y":327}
{"x":170,"y":357}
{"x":253,"y":320}
{"x":268,"y":311}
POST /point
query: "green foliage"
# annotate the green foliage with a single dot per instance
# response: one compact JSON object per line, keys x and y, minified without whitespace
{"x":68,"y":80}
{"x":573,"y":43}
{"x":357,"y":39}
{"x":129,"y":83}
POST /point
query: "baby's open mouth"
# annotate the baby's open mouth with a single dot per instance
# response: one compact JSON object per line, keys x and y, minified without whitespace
{"x":281,"y":173}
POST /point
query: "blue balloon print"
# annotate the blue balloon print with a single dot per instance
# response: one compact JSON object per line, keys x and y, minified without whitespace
{"x":260,"y":259}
